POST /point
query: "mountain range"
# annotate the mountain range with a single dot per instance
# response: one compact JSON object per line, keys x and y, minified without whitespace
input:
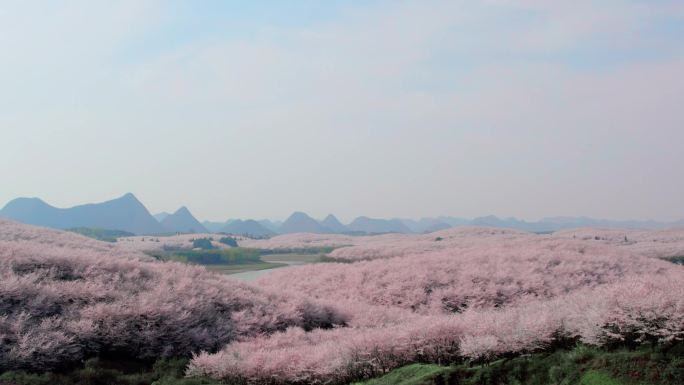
{"x":333,"y":224}
{"x":247,"y":227}
{"x":127,"y":213}
{"x":378,"y":226}
{"x":299,"y":222}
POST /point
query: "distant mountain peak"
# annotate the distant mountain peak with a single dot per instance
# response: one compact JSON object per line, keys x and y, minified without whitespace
{"x":182,"y":221}
{"x":26,"y":200}
{"x":124,"y":213}
{"x":129,"y":196}
{"x":299,"y":214}
{"x":300,"y":222}
{"x":378,"y":226}
{"x":247,"y":227}
{"x":332,"y":223}
{"x":271,"y":225}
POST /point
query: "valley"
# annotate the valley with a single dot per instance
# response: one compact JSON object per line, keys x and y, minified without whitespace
{"x":353,"y":308}
{"x":341,"y":192}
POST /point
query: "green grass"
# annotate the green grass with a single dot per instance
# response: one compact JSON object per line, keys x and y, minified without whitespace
{"x":232,"y":256}
{"x":241,"y":259}
{"x":234,"y":260}
{"x":102,"y":372}
{"x":663,"y":365}
{"x":416,"y":374}
{"x":594,"y":377}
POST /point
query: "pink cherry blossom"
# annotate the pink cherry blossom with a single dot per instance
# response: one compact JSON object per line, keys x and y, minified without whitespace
{"x":64,"y":297}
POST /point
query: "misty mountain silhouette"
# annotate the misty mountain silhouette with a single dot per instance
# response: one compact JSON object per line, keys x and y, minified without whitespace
{"x":212,"y":226}
{"x":182,"y":221}
{"x":247,"y":227}
{"x":333,"y":224}
{"x":378,"y":226}
{"x":125,"y":213}
{"x":160,"y":216}
{"x":426,"y":225}
{"x":299,"y":222}
{"x":271,"y":225}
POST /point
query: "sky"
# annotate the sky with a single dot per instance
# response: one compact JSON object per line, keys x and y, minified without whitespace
{"x":255,"y":109}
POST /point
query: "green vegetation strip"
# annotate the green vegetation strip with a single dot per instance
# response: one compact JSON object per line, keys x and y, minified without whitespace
{"x":594,"y":377}
{"x":663,"y":365}
{"x":232,"y":256}
{"x":416,"y":374}
{"x":101,"y":372}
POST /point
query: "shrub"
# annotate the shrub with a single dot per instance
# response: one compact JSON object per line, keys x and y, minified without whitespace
{"x":230,"y":241}
{"x":211,"y":257}
{"x":203,"y":243}
{"x":98,"y":372}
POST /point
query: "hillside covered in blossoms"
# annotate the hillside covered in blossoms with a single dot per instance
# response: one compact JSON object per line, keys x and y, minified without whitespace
{"x":342,"y":192}
{"x":465,"y":294}
{"x":376,"y":304}
{"x":65,"y":298}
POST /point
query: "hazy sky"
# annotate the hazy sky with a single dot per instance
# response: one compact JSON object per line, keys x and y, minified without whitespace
{"x":386,"y":109}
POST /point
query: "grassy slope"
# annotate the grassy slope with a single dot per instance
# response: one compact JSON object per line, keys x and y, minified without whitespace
{"x":582,"y":365}
{"x":415,"y":374}
{"x":237,"y":259}
{"x":579,"y":366}
{"x":100,"y":372}
{"x":231,"y":256}
{"x":595,"y":377}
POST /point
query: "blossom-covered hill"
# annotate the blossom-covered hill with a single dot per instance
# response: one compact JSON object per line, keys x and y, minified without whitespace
{"x":65,"y":297}
{"x":469,"y":293}
{"x":654,"y":243}
{"x":477,"y":274}
{"x":16,"y":233}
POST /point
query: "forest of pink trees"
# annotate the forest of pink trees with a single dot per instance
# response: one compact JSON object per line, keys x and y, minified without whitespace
{"x":64,"y":297}
{"x":660,"y":243}
{"x":472,"y":293}
{"x":460,"y":294}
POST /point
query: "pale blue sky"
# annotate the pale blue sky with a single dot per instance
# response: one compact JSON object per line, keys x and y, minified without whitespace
{"x":387,"y":109}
